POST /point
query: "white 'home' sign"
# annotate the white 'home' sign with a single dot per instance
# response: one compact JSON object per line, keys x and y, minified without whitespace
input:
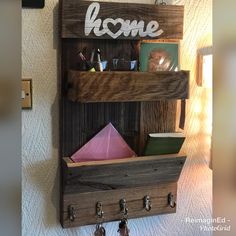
{"x":116,"y":20}
{"x":127,"y":27}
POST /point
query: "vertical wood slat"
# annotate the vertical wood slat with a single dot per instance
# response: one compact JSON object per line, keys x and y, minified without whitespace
{"x":81,"y":121}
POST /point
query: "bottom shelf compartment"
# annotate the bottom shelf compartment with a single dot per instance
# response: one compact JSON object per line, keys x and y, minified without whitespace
{"x":148,"y":185}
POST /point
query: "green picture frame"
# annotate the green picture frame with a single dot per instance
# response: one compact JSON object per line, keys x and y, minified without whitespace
{"x":159,"y":56}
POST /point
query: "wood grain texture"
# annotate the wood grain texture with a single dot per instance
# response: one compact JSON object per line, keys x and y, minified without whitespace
{"x":86,"y":183}
{"x":80,"y":122}
{"x":144,"y":171}
{"x":70,"y":163}
{"x":84,"y":204}
{"x":127,"y":86}
{"x":40,"y":126}
{"x":170,"y":18}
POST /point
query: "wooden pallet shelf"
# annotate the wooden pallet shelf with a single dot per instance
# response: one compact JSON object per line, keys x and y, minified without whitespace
{"x":136,"y":103}
{"x":122,"y":86}
{"x":132,"y":179}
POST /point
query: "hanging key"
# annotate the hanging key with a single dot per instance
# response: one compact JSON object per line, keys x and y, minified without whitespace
{"x":100,"y":230}
{"x":123,"y":228}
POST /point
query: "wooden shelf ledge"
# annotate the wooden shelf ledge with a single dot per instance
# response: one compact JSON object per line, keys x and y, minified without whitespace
{"x":87,"y":183}
{"x":123,"y":86}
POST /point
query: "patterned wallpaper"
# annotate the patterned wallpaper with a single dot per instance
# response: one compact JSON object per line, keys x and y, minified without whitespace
{"x":40,"y":131}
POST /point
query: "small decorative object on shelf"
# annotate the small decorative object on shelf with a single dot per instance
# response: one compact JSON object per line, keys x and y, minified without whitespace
{"x":99,"y":60}
{"x":164,"y":143}
{"x":87,"y":64}
{"x":162,"y":56}
{"x":108,"y":144}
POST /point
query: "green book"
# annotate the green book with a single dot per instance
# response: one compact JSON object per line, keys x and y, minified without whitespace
{"x":164,"y":143}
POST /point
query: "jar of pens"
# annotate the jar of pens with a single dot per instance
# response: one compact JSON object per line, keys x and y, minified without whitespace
{"x":97,"y":63}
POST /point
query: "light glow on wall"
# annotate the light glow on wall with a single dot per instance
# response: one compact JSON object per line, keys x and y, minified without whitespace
{"x":207,"y":71}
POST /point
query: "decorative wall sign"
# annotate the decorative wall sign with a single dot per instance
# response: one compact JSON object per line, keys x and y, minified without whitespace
{"x":127,"y":27}
{"x":105,"y":20}
{"x":33,"y":3}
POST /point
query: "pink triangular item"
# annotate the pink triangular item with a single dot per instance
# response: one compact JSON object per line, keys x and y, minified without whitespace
{"x":106,"y":145}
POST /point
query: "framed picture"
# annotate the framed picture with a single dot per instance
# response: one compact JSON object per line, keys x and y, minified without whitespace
{"x":33,"y":3}
{"x":159,"y":56}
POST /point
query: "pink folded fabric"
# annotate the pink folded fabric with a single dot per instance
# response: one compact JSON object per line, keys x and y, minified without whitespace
{"x":106,"y":145}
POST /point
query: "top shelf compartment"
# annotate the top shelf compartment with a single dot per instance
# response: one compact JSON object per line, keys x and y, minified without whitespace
{"x":122,"y":86}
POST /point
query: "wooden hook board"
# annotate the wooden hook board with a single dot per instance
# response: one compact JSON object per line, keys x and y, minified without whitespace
{"x":107,"y":182}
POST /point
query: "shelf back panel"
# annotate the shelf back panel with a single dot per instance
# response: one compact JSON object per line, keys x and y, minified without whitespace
{"x":80,"y":122}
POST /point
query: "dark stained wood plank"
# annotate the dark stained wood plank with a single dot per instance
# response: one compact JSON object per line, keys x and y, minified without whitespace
{"x":85,"y":210}
{"x":83,"y":121}
{"x":80,"y":122}
{"x":127,"y":86}
{"x":109,"y":181}
{"x":125,"y":173}
{"x":169,"y":18}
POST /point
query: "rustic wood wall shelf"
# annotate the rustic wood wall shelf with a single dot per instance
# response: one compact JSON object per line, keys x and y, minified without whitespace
{"x":127,"y":86}
{"x":108,"y":182}
{"x":136,"y":103}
